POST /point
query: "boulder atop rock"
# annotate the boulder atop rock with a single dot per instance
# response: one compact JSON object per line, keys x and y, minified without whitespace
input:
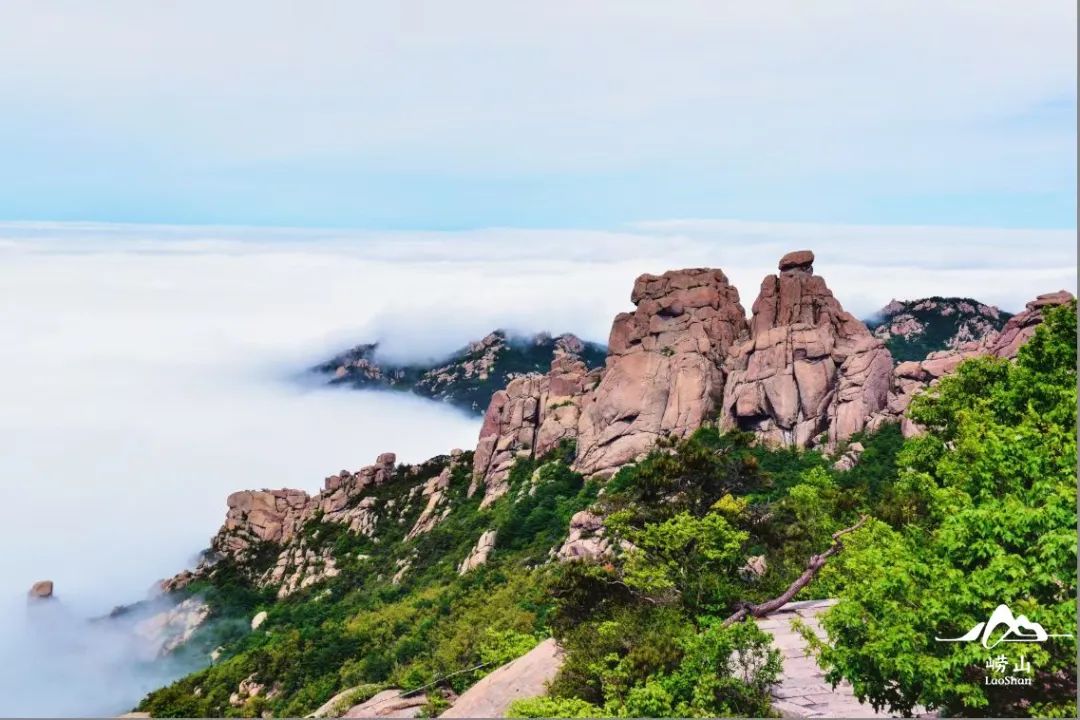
{"x":809,"y":368}
{"x":797,"y":260}
{"x":41,"y":590}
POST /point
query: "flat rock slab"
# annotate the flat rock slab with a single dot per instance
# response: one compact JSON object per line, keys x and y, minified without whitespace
{"x":525,"y":677}
{"x":803,"y":690}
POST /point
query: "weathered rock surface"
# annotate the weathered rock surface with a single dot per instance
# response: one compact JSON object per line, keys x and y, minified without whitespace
{"x":298,"y":567}
{"x":529,"y":418}
{"x":809,"y":368}
{"x":41,"y":590}
{"x":169,"y":629}
{"x":525,"y":677}
{"x":850,"y":458}
{"x":664,"y":373}
{"x":479,"y":554}
{"x":585,"y":540}
{"x":1019,"y":329}
{"x":434,"y":493}
{"x":257,"y":516}
{"x":803,"y":690}
{"x":250,"y":688}
{"x":388,"y":704}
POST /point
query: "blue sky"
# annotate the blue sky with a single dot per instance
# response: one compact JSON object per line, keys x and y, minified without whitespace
{"x":433,"y":115}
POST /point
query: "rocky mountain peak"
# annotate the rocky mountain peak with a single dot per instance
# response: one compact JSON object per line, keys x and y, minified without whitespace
{"x":912,"y":329}
{"x":808,"y":368}
{"x":470,"y":375}
{"x":664,"y":372}
{"x":797,"y":261}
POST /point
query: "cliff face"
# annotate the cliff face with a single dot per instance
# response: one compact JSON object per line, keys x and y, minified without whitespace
{"x":809,"y":368}
{"x":802,"y":372}
{"x":664,"y":373}
{"x":529,"y":418}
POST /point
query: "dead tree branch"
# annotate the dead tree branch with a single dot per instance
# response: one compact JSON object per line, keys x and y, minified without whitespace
{"x":812,"y":567}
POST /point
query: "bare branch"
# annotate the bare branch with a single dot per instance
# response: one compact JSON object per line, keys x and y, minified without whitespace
{"x":815,"y":564}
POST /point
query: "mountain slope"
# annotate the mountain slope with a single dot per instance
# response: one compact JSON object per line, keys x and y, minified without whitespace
{"x":417,"y":580}
{"x":470,"y":376}
{"x":912,"y":329}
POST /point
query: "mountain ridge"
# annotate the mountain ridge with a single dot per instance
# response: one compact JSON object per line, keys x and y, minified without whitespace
{"x":688,"y":386}
{"x":467,"y":377}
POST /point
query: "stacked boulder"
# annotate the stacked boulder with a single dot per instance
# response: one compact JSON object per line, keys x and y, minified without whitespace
{"x":809,"y":371}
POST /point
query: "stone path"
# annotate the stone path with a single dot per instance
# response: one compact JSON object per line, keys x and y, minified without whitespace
{"x":803,"y":690}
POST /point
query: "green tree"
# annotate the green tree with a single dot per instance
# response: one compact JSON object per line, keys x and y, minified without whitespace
{"x":990,"y":518}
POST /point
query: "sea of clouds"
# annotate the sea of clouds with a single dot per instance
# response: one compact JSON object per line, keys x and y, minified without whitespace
{"x":146,"y":372}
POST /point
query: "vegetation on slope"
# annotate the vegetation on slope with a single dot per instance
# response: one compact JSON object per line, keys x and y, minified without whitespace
{"x":915,"y":328}
{"x":467,"y":378}
{"x":979,"y":511}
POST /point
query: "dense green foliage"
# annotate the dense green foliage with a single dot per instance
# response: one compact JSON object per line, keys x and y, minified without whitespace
{"x":977,"y":512}
{"x":986,"y":514}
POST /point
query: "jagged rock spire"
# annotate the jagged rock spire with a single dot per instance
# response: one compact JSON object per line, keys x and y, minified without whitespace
{"x":810,"y":370}
{"x":664,"y":372}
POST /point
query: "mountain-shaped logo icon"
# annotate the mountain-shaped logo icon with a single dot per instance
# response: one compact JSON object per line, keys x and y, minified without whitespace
{"x":1017,"y":629}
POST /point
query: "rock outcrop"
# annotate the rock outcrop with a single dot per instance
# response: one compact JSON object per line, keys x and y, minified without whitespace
{"x":664,"y":374}
{"x":167,"y":630}
{"x":585,"y":540}
{"x":41,"y":590}
{"x":298,"y":567}
{"x":257,"y":516}
{"x":810,"y":373}
{"x":912,"y":377}
{"x":530,"y":417}
{"x":389,"y":704}
{"x":434,"y":494}
{"x":480,"y":552}
{"x":1020,"y":327}
{"x":527,"y":676}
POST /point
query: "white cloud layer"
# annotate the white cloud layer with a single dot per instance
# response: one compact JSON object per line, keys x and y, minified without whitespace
{"x":149,"y":371}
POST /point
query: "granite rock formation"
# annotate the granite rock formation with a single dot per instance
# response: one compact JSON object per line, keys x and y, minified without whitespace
{"x":809,"y":372}
{"x":664,"y":374}
{"x":530,"y":417}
